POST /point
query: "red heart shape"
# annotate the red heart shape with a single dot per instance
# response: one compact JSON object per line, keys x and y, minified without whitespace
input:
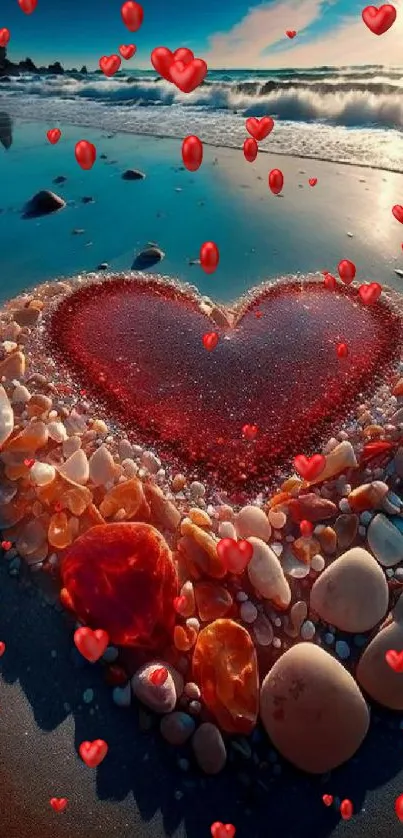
{"x":92,"y":753}
{"x":235,"y":555}
{"x":379,"y":20}
{"x":2,"y":648}
{"x":222,"y":830}
{"x":198,"y":399}
{"x":397,"y":211}
{"x":250,"y":431}
{"x":127,"y":51}
{"x":6,"y":545}
{"x":395,"y":660}
{"x":91,"y":644}
{"x":188,"y":76}
{"x":327,"y":799}
{"x":54,"y":135}
{"x":291,"y":33}
{"x":259,"y":128}
{"x":28,"y":6}
{"x":370,"y":293}
{"x":313,"y":181}
{"x":4,"y":37}
{"x":110,"y":64}
{"x":310,"y":467}
{"x":162,"y":59}
{"x":58,"y":804}
{"x":132,"y":15}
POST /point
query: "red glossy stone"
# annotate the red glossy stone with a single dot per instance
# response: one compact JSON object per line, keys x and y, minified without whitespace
{"x":121,"y":577}
{"x":154,"y":373}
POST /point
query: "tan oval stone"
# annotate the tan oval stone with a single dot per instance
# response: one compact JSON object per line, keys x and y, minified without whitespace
{"x":266,"y":574}
{"x":101,"y":466}
{"x":13,"y":366}
{"x":351,"y":593}
{"x":312,"y":709}
{"x":374,"y":674}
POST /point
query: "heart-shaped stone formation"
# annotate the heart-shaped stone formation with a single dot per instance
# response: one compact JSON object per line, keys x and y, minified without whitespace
{"x":138,"y":347}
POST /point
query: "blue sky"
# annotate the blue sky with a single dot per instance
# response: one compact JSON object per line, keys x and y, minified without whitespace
{"x":227,"y":33}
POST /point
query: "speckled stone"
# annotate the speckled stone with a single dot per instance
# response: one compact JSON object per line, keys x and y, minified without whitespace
{"x":385,"y":541}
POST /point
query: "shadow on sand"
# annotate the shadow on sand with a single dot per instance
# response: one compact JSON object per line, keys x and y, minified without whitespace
{"x":140,"y":781}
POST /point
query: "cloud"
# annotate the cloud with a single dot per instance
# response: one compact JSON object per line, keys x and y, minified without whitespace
{"x":349,"y":41}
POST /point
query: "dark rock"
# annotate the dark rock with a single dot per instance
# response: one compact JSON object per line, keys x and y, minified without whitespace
{"x":103,"y":266}
{"x":60,"y":179}
{"x":83,"y":70}
{"x":88,"y":199}
{"x":103,"y":156}
{"x":133,"y":174}
{"x":56,"y":68}
{"x":43,"y":203}
{"x":148,"y":257}
{"x":78,"y":231}
{"x":6,"y":128}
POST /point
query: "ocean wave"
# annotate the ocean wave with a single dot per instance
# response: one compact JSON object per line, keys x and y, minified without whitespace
{"x":352,"y":97}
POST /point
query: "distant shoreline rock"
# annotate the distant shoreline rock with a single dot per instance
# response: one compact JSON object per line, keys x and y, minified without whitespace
{"x":9,"y":68}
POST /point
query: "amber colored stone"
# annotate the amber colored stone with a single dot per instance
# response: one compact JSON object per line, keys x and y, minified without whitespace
{"x":90,"y":518}
{"x":59,"y":533}
{"x":201,"y":550}
{"x":184,"y":638}
{"x":305,"y":549}
{"x":225,"y":668}
{"x":128,"y":495}
{"x":213,"y":601}
{"x":121,"y":577}
{"x":13,"y":512}
{"x":398,"y":388}
{"x":33,"y":437}
{"x":280,"y":498}
{"x":77,"y":498}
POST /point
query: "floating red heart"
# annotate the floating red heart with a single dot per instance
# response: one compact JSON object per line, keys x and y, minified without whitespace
{"x":327,"y":799}
{"x":28,"y":6}
{"x":342,"y":350}
{"x":110,"y":64}
{"x":346,"y":809}
{"x":162,"y":59}
{"x":260,"y":128}
{"x":192,"y":153}
{"x":93,"y":753}
{"x":309,"y":467}
{"x":86,"y":154}
{"x":394,"y":660}
{"x":379,"y":20}
{"x":188,"y":76}
{"x":370,"y":293}
{"x":127,"y":51}
{"x":222,"y":830}
{"x":250,"y":149}
{"x":250,"y":432}
{"x":313,"y":181}
{"x":291,"y":33}
{"x":330,"y":282}
{"x":54,"y":135}
{"x":196,"y":424}
{"x":235,"y":555}
{"x":347,"y":271}
{"x":276,"y":181}
{"x":159,"y":676}
{"x":2,"y":648}
{"x":398,"y":213}
{"x":91,"y":644}
{"x":58,"y":804}
{"x":4,"y":37}
{"x":6,"y":545}
{"x":133,"y":15}
{"x":399,"y":807}
{"x":209,"y":257}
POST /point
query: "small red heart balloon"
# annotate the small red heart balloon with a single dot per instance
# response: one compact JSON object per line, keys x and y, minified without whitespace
{"x":127,"y":51}
{"x":235,"y":555}
{"x":6,"y":545}
{"x":399,"y":807}
{"x":259,"y":128}
{"x":276,"y":181}
{"x":398,"y":212}
{"x":110,"y":64}
{"x":330,"y":282}
{"x":306,"y":528}
{"x":93,"y":753}
{"x":346,"y":809}
{"x":162,"y":59}
{"x":91,"y":644}
{"x":250,"y":149}
{"x":327,"y":799}
{"x":4,"y":37}
{"x":291,"y":33}
{"x":210,"y":340}
{"x":379,"y":20}
{"x":313,"y":181}
{"x":249,"y":432}
{"x":370,"y":293}
{"x":309,"y":467}
{"x":209,"y":257}
{"x":2,"y":648}
{"x":28,"y":6}
{"x":86,"y":154}
{"x":394,"y":660}
{"x":222,"y":830}
{"x":188,"y":76}
{"x":158,"y":676}
{"x":347,"y":271}
{"x":54,"y":135}
{"x":342,"y":350}
{"x":58,"y":804}
{"x":192,"y":153}
{"x":133,"y":15}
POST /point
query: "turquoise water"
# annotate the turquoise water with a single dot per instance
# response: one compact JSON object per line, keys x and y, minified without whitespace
{"x":259,"y":236}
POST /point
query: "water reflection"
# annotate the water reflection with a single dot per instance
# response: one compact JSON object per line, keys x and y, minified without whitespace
{"x":6,"y":130}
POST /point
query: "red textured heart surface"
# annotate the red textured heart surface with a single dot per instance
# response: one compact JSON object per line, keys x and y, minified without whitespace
{"x":138,"y":346}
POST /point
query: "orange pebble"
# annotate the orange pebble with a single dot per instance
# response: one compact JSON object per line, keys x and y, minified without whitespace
{"x":184,"y":638}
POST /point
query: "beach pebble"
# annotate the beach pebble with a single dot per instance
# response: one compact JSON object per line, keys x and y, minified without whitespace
{"x":148,"y":257}
{"x":352,"y":593}
{"x":263,"y":630}
{"x":111,"y":654}
{"x":346,"y":528}
{"x":200,"y":517}
{"x":308,"y":630}
{"x":163,"y":698}
{"x":266,"y":574}
{"x":133,"y":174}
{"x":43,"y":203}
{"x":178,"y":483}
{"x":192,"y":691}
{"x":368,"y":496}
{"x":312,"y":508}
{"x":122,"y":696}
{"x":42,"y":473}
{"x":162,"y":509}
{"x":76,"y":468}
{"x":21,"y":395}
{"x":277,"y":519}
{"x":6,"y":417}
{"x":373,"y":673}
{"x":177,"y":727}
{"x":150,"y":462}
{"x":318,"y":563}
{"x":342,"y":650}
{"x":312,"y":709}
{"x":101,"y":466}
{"x":248,"y":612}
{"x":385,"y":541}
{"x":70,"y":445}
{"x":13,"y":366}
{"x":209,"y":748}
{"x":252,"y":521}
{"x":227,"y":530}
{"x":327,"y":538}
{"x":197,"y":490}
{"x":57,"y":431}
{"x":340,"y":459}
